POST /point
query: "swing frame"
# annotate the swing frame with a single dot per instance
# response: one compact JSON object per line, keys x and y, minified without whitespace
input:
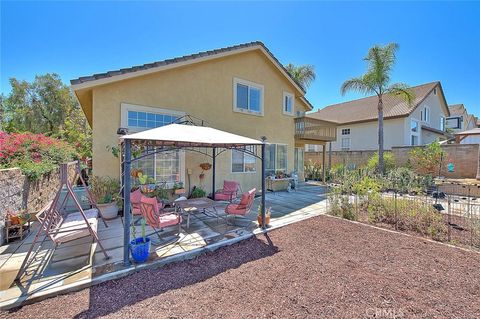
{"x":52,"y":217}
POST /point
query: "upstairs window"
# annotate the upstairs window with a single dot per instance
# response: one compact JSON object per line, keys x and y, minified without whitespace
{"x":425,"y":114}
{"x":442,"y":123}
{"x":345,"y":131}
{"x":288,"y":101}
{"x":454,"y":122}
{"x":248,"y":97}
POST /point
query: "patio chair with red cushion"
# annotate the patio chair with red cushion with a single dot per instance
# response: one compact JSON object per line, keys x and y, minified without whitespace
{"x":229,"y":191}
{"x":244,"y":206}
{"x":135,"y":198}
{"x":156,"y":217}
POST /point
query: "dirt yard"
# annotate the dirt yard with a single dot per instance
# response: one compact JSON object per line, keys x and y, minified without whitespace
{"x":319,"y":268}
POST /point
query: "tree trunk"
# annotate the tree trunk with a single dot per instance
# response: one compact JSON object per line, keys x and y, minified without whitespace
{"x":381,"y":166}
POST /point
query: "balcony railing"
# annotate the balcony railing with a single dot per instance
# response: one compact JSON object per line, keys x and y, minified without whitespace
{"x":307,"y":128}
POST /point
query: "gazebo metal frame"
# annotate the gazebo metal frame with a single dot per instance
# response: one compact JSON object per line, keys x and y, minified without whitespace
{"x":162,"y":147}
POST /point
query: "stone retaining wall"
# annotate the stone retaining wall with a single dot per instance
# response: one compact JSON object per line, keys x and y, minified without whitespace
{"x":18,"y":193}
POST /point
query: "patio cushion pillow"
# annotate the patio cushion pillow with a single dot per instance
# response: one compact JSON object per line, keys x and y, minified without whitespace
{"x":169,"y":220}
{"x":75,"y":224}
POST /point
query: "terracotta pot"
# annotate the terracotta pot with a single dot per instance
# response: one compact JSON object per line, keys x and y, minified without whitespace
{"x":267,"y":220}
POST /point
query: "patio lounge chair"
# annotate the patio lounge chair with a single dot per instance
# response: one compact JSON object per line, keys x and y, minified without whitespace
{"x":156,"y":217}
{"x":244,"y":206}
{"x":229,"y":191}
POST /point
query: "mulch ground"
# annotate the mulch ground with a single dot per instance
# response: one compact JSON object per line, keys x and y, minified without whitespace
{"x":319,"y":268}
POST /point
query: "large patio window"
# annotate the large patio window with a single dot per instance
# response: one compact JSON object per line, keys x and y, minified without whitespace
{"x":163,"y":167}
{"x":247,"y":97}
{"x":276,"y":158}
{"x":299,"y":160}
{"x":243,"y":162}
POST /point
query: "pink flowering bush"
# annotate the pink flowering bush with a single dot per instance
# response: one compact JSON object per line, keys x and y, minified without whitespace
{"x":35,"y":154}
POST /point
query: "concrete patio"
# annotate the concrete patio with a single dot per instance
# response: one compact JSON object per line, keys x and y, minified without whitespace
{"x":79,"y":264}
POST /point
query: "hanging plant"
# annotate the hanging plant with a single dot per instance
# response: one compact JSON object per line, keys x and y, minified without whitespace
{"x":205,"y":166}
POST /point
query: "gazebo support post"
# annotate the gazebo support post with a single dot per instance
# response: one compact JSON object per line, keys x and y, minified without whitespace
{"x":214,"y":155}
{"x":263,"y":186}
{"x":126,"y":202}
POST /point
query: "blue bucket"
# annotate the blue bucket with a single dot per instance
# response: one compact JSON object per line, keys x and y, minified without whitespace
{"x":140,"y":249}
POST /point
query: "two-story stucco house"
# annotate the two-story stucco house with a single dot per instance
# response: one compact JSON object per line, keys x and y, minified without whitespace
{"x":357,"y":120}
{"x":241,"y":89}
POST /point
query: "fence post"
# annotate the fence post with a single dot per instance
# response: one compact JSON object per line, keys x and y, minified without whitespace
{"x":395,"y":207}
{"x":449,"y":230}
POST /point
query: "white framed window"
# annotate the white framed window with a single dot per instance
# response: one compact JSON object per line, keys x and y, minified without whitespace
{"x":162,"y":167}
{"x":346,"y":143}
{"x":247,"y":97}
{"x":425,"y":114}
{"x":345,"y":131}
{"x":276,"y":158}
{"x":414,"y":132}
{"x":311,"y":147}
{"x":288,"y":103}
{"x":454,"y":122}
{"x":442,"y":123}
{"x":243,"y":162}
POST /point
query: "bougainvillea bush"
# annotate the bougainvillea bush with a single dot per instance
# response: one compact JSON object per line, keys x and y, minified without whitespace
{"x":35,"y":154}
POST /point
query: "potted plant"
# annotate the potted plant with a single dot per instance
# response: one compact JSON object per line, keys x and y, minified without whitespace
{"x":140,"y":246}
{"x":267,"y":216}
{"x":197,"y":192}
{"x":204,"y":167}
{"x":178,"y":188}
{"x":105,"y":192}
{"x":147,"y":184}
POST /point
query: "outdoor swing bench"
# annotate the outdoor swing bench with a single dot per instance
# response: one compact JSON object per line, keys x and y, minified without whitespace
{"x":61,"y":226}
{"x":64,"y":229}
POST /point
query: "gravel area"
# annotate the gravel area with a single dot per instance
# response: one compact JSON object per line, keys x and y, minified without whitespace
{"x":319,"y":268}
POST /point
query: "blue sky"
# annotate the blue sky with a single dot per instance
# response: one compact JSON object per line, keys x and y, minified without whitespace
{"x":438,"y":41}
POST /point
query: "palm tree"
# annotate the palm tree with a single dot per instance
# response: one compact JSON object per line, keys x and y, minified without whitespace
{"x":376,"y":80}
{"x":303,"y":74}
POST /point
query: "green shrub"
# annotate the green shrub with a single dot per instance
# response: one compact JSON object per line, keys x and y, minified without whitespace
{"x":427,"y":159}
{"x":341,"y":207}
{"x":197,"y":192}
{"x":313,"y":170}
{"x":104,"y":189}
{"x":388,"y":159}
{"x":407,"y":215}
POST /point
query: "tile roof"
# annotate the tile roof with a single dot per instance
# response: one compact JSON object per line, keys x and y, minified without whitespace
{"x":214,"y":52}
{"x":456,"y":109}
{"x":365,"y":109}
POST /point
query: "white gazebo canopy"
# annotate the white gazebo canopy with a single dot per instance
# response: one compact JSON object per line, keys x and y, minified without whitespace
{"x":181,"y":135}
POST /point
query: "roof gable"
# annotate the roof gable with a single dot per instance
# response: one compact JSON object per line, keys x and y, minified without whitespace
{"x":365,"y":109}
{"x":86,"y":82}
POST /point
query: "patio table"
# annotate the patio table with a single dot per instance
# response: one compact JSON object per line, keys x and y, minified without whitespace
{"x":193,"y":205}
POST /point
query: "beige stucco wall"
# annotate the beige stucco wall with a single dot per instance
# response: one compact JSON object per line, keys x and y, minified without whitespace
{"x":364,"y":136}
{"x":204,"y":90}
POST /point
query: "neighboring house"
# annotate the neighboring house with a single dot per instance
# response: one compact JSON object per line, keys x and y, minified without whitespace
{"x":241,"y":89}
{"x":459,"y":119}
{"x":357,"y":120}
